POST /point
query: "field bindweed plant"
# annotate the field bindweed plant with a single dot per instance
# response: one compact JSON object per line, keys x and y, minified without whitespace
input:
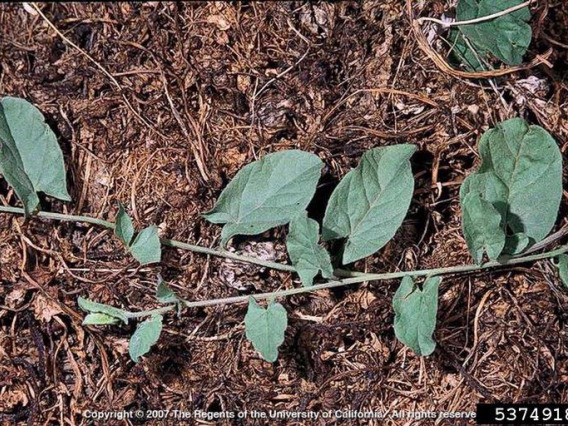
{"x":507,"y":37}
{"x":509,"y":206}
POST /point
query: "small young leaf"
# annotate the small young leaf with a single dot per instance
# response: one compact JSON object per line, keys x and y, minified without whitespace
{"x":30,"y":158}
{"x":562,"y":266}
{"x":369,"y":204}
{"x":507,"y":37}
{"x":165,"y":294}
{"x":99,"y":319}
{"x":147,"y":248}
{"x":415,"y":314}
{"x":516,"y":243}
{"x":265,"y":328}
{"x":146,"y":335}
{"x":124,"y":229}
{"x":306,"y":254}
{"x":481,"y":227}
{"x":266,"y":193}
{"x":99,"y":308}
{"x":521,"y":176}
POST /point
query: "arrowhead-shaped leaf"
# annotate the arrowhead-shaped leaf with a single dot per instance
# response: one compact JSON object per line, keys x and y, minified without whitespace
{"x":415,"y":314}
{"x":147,"y":248}
{"x":30,"y":158}
{"x":99,"y":308}
{"x":482,"y":228}
{"x":307,"y":256}
{"x":266,"y":193}
{"x":146,"y":335}
{"x":521,"y":176}
{"x":164,"y":293}
{"x":265,"y":328}
{"x":371,"y":201}
{"x":507,"y":37}
{"x":124,"y":229}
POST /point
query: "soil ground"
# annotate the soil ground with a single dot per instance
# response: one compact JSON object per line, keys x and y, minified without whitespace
{"x":197,"y":91}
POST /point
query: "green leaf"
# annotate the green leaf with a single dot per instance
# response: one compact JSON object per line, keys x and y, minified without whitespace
{"x":481,"y":227}
{"x":146,"y":335}
{"x":30,"y":158}
{"x":165,"y":294}
{"x":307,"y":256}
{"x":37,"y":146}
{"x":562,"y":266}
{"x":265,"y":328}
{"x":516,"y":243}
{"x":415,"y":314}
{"x":462,"y":53}
{"x":370,"y":203}
{"x":12,"y":167}
{"x":124,"y":228}
{"x":146,"y":248}
{"x":99,"y":319}
{"x":99,"y":308}
{"x":506,"y":37}
{"x":521,"y":176}
{"x":266,"y":193}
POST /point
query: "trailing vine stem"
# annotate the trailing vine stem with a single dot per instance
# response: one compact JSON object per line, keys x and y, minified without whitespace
{"x":166,"y":242}
{"x":476,"y":20}
{"x":347,"y":277}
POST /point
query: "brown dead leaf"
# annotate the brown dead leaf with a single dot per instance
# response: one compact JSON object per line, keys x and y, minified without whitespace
{"x":118,"y":344}
{"x":45,"y":309}
{"x":15,"y":297}
{"x":220,"y":21}
{"x":365,"y":298}
{"x":11,"y":398}
{"x":243,"y":83}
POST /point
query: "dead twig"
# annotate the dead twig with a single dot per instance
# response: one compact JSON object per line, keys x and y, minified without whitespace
{"x":197,"y":154}
{"x":101,"y":68}
{"x":380,"y":90}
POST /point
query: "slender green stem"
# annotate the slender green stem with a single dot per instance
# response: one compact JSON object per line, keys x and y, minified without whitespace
{"x":60,"y":217}
{"x":452,"y":270}
{"x":166,"y":242}
{"x":456,"y":269}
{"x":228,"y":255}
{"x":362,"y":277}
{"x":151,"y":312}
{"x":350,"y":277}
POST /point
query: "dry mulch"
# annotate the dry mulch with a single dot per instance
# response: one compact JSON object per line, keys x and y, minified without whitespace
{"x":202,"y":89}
